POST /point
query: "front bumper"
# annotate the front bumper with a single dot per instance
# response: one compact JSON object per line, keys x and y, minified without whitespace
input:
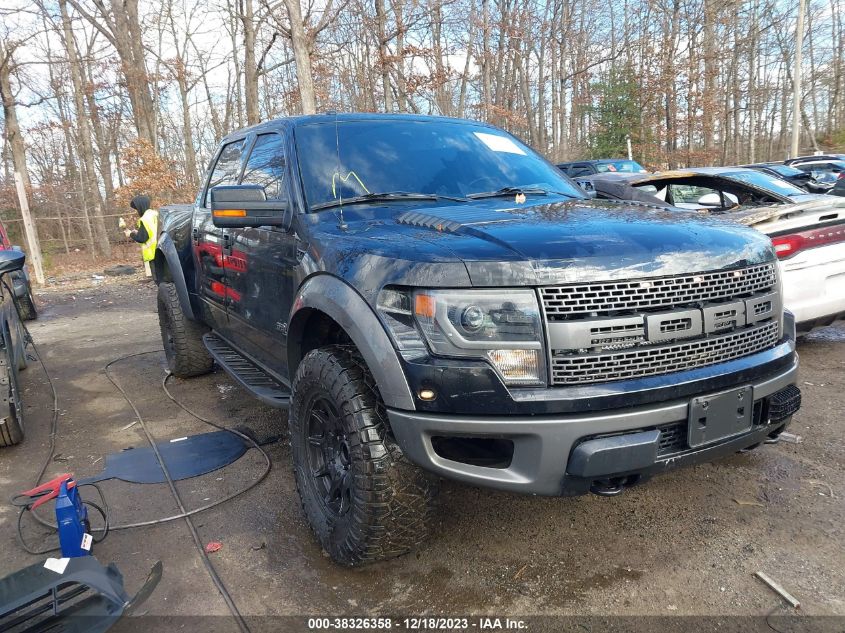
{"x":541,"y":458}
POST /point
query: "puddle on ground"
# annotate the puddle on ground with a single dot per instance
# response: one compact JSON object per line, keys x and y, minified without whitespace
{"x":563,"y":591}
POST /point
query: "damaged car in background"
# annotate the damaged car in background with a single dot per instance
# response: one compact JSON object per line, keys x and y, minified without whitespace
{"x":807,"y":230}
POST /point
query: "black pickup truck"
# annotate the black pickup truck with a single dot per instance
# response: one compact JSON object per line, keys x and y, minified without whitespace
{"x":430,"y":298}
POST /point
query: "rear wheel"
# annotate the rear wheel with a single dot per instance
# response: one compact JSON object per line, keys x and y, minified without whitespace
{"x":363,"y":499}
{"x":11,"y":414}
{"x":26,"y":305}
{"x":182,"y":338}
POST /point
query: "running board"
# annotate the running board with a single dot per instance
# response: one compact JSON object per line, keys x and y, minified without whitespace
{"x":248,"y":375}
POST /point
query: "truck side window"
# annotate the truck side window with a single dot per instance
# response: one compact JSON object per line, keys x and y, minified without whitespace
{"x":227,"y":168}
{"x":266,"y":166}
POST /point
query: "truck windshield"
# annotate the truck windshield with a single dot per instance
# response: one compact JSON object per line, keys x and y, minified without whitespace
{"x":354,"y":159}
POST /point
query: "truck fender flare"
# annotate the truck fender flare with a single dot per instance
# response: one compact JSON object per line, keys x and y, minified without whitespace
{"x":348,"y":309}
{"x":167,"y":249}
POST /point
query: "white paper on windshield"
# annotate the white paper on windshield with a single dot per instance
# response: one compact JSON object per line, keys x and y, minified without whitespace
{"x":499,"y":143}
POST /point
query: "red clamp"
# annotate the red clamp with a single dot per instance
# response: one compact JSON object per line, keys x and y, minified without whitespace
{"x":48,"y":490}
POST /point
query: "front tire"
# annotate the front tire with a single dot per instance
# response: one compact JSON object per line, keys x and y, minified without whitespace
{"x":11,"y":413}
{"x":363,"y":499}
{"x":182,"y":338}
{"x":26,"y":306}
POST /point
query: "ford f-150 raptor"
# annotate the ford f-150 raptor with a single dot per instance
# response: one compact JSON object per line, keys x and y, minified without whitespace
{"x":428,"y":298}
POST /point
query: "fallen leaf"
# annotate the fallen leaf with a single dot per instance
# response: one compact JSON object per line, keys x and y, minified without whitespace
{"x":213,"y":546}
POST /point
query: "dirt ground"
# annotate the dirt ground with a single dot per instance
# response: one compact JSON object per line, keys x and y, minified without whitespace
{"x":687,"y":543}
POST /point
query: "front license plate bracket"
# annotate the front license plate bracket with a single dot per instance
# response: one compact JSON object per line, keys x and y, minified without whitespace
{"x":719,"y":416}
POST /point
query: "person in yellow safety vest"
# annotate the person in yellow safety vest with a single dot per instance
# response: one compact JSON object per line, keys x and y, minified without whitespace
{"x":146,"y":233}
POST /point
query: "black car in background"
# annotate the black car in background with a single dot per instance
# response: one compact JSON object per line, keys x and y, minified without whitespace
{"x":601,"y":166}
{"x":797,"y":177}
{"x":825,"y":168}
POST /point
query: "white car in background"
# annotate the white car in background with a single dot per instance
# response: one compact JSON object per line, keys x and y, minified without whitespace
{"x":809,"y":239}
{"x":807,"y":230}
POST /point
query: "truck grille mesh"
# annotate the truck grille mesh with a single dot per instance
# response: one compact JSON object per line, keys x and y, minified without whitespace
{"x":661,"y":359}
{"x":606,"y":298}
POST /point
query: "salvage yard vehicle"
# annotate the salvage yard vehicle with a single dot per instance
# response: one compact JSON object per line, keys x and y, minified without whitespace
{"x":808,"y":230}
{"x":796,"y":176}
{"x":601,"y":166}
{"x":20,"y":281}
{"x":831,"y":166}
{"x":12,"y":351}
{"x":429,"y":297}
{"x":715,"y":189}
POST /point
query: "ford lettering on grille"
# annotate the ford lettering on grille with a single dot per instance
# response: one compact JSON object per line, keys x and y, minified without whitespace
{"x":693,"y":321}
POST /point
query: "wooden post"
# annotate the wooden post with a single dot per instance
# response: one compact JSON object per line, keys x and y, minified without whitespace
{"x":796,"y":82}
{"x":34,"y":250}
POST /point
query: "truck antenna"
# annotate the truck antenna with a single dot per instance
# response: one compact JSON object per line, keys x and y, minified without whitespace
{"x":341,"y":223}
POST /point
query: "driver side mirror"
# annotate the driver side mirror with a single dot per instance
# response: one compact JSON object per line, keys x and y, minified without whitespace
{"x":238,"y":206}
{"x":11,"y":260}
{"x":714,"y":200}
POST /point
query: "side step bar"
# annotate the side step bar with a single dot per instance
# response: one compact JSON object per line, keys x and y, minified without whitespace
{"x":251,"y":377}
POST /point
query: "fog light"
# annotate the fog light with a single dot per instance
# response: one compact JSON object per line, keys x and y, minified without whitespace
{"x":427,"y":394}
{"x":517,"y":366}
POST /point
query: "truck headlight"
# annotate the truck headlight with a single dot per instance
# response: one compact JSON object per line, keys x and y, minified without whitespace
{"x":500,"y":326}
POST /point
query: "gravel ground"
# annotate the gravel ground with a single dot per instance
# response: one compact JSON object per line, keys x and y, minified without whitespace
{"x":687,"y":543}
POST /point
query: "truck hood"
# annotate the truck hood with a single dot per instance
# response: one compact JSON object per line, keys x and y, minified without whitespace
{"x":582,"y":241}
{"x":501,"y":244}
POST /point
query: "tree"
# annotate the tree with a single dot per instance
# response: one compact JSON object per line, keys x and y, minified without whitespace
{"x":23,"y":185}
{"x":84,"y":137}
{"x":119,"y":23}
{"x":616,"y":115}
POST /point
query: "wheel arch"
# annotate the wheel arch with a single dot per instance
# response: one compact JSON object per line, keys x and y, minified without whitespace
{"x":168,"y":267}
{"x":326,"y":300}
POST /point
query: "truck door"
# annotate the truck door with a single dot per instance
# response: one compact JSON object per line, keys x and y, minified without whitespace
{"x":260,"y":265}
{"x":209,"y":240}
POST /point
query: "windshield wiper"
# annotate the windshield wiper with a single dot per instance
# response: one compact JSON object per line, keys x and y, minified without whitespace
{"x":387,"y":195}
{"x":510,"y":191}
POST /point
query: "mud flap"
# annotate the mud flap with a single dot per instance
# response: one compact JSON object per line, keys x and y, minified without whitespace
{"x":85,"y":596}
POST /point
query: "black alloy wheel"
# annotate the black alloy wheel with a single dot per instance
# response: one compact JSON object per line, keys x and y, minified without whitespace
{"x":329,"y":458}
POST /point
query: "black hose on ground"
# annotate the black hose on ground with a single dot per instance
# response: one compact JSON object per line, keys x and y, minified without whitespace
{"x":103,"y":510}
{"x":215,"y":578}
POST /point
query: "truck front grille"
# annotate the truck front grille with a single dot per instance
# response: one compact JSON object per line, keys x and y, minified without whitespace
{"x":615,"y":297}
{"x":618,"y":330}
{"x":662,"y":359}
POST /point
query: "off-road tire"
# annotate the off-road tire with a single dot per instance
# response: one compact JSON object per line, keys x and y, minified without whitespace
{"x":391,"y":502}
{"x":26,"y":306}
{"x":181,"y":337}
{"x":20,"y":343}
{"x":11,"y":414}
